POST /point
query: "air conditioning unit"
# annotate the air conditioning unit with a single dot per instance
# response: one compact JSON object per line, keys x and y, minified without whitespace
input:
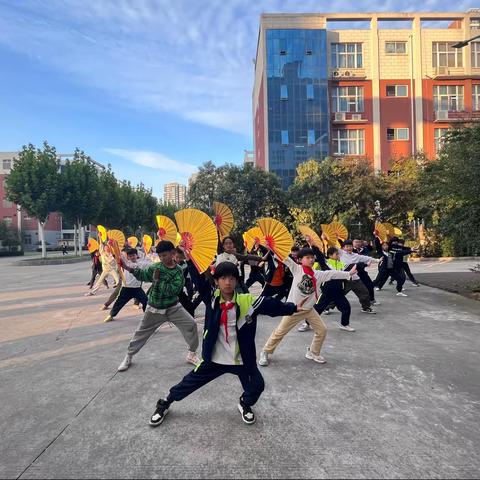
{"x":356,"y":116}
{"x":339,"y":116}
{"x":441,"y":71}
{"x":335,"y":73}
{"x":442,"y":115}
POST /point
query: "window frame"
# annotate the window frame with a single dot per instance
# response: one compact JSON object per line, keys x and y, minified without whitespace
{"x":338,"y":96}
{"x":437,"y":139}
{"x":395,"y":43}
{"x":476,"y":97}
{"x":449,"y":51}
{"x":337,"y":53}
{"x":475,"y":54}
{"x":395,"y":86}
{"x":437,"y":98}
{"x":395,"y":134}
{"x":343,"y":136}
{"x":282,"y":133}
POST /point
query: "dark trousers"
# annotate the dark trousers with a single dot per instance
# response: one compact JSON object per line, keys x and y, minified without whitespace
{"x":186,"y":303}
{"x":125,"y":295}
{"x":95,"y":272}
{"x":360,"y":290}
{"x":332,"y":292}
{"x":397,"y":275}
{"x":367,"y":281}
{"x":250,"y":378}
{"x":255,"y":276}
{"x":278,"y":292}
{"x":406,"y":269}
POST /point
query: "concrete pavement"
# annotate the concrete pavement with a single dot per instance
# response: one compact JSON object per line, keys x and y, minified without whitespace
{"x":398,"y":398}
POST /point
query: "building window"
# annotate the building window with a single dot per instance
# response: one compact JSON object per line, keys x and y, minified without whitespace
{"x":348,"y":99}
{"x":397,"y":90}
{"x":439,"y":135}
{"x":7,"y":163}
{"x":348,"y":142}
{"x":475,"y":49}
{"x":283,"y":92}
{"x":448,"y":97}
{"x":444,"y":55}
{"x":395,"y":48}
{"x":309,"y":91}
{"x":475,"y":97}
{"x":284,"y":137}
{"x":347,"y":55}
{"x":311,"y":137}
{"x":397,"y":134}
{"x":7,"y":203}
{"x":8,"y":221}
{"x":27,"y":239}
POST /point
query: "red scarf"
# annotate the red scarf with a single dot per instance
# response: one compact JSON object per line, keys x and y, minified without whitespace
{"x":311,"y":274}
{"x":224,"y":317}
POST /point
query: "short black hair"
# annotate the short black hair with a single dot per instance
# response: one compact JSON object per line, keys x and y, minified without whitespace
{"x":347,"y":242}
{"x":225,"y":269}
{"x":224,"y":239}
{"x":165,"y":246}
{"x":132,"y":251}
{"x":305,"y":251}
{"x":331,"y":250}
{"x":179,"y":251}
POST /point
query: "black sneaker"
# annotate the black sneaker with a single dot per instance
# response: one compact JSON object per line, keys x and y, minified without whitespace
{"x":247,"y":414}
{"x":369,"y":310}
{"x":160,"y":413}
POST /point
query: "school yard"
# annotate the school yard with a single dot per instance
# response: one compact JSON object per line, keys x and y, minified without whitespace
{"x":398,"y":398}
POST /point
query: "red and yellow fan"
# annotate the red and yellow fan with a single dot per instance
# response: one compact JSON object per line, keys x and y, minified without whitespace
{"x":277,"y":237}
{"x":252,"y":237}
{"x":132,"y":241}
{"x":118,"y":236}
{"x":147,"y":243}
{"x":223,"y":218}
{"x":381,"y":232}
{"x":198,"y":236}
{"x":308,"y":232}
{"x":166,"y":229}
{"x":92,"y":245}
{"x":102,"y":233}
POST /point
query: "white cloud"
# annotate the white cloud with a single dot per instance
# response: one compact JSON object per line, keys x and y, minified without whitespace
{"x":155,"y":160}
{"x":190,"y":58}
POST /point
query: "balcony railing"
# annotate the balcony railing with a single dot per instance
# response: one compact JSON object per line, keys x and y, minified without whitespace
{"x":457,"y":115}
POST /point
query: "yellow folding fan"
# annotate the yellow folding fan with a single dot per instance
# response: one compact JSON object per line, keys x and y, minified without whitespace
{"x":277,"y":237}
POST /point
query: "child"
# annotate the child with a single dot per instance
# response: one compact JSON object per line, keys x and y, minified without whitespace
{"x":186,"y":295}
{"x":109,"y":267}
{"x":228,"y":340}
{"x":132,"y":288}
{"x":406,"y":266}
{"x":96,"y":269}
{"x":256,"y":268}
{"x":163,"y":305}
{"x":305,"y":289}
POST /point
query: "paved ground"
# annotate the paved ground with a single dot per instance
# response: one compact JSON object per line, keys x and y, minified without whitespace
{"x":398,"y":398}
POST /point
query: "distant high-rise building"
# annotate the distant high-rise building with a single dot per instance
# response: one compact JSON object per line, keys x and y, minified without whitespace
{"x":379,"y":93}
{"x":249,"y":157}
{"x":174,"y":193}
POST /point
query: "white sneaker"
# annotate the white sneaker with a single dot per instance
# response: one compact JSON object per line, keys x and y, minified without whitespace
{"x":375,"y":302}
{"x":347,"y":328}
{"x":127,"y":361}
{"x":316,"y":358}
{"x":304,"y":327}
{"x":88,"y":294}
{"x":326,"y":312}
{"x":192,"y":358}
{"x":401,"y":294}
{"x":377,"y":289}
{"x":263,"y":361}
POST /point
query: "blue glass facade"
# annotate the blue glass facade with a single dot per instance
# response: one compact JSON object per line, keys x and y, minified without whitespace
{"x":297,"y":89}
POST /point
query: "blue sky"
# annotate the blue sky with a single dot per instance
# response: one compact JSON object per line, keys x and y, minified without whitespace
{"x":153,"y":87}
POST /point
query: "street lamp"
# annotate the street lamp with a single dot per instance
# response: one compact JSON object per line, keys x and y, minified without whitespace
{"x":465,"y":42}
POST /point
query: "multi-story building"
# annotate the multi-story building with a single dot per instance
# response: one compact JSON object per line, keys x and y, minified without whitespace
{"x":56,"y":229}
{"x":378,"y":92}
{"x":174,"y":193}
{"x":248,"y":157}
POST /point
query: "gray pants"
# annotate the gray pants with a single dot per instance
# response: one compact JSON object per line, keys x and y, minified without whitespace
{"x":360,"y":290}
{"x":151,"y":321}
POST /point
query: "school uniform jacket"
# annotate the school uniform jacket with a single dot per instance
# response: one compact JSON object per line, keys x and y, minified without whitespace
{"x":247,"y":309}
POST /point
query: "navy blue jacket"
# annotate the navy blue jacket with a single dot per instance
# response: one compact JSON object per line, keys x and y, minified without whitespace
{"x":247,"y":309}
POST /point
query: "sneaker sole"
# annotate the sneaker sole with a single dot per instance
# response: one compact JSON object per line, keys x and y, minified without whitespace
{"x":316,"y":361}
{"x":160,"y":422}
{"x":263,"y":364}
{"x":369,"y":313}
{"x":123,"y":369}
{"x":345,"y":330}
{"x":248,"y":422}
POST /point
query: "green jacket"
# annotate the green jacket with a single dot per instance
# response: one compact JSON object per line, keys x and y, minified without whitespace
{"x":167,"y":283}
{"x":335,"y":264}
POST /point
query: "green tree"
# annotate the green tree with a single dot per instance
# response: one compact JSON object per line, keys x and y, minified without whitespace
{"x":33,"y":183}
{"x":79,"y":199}
{"x":8,"y":236}
{"x":109,"y":211}
{"x":450,"y":191}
